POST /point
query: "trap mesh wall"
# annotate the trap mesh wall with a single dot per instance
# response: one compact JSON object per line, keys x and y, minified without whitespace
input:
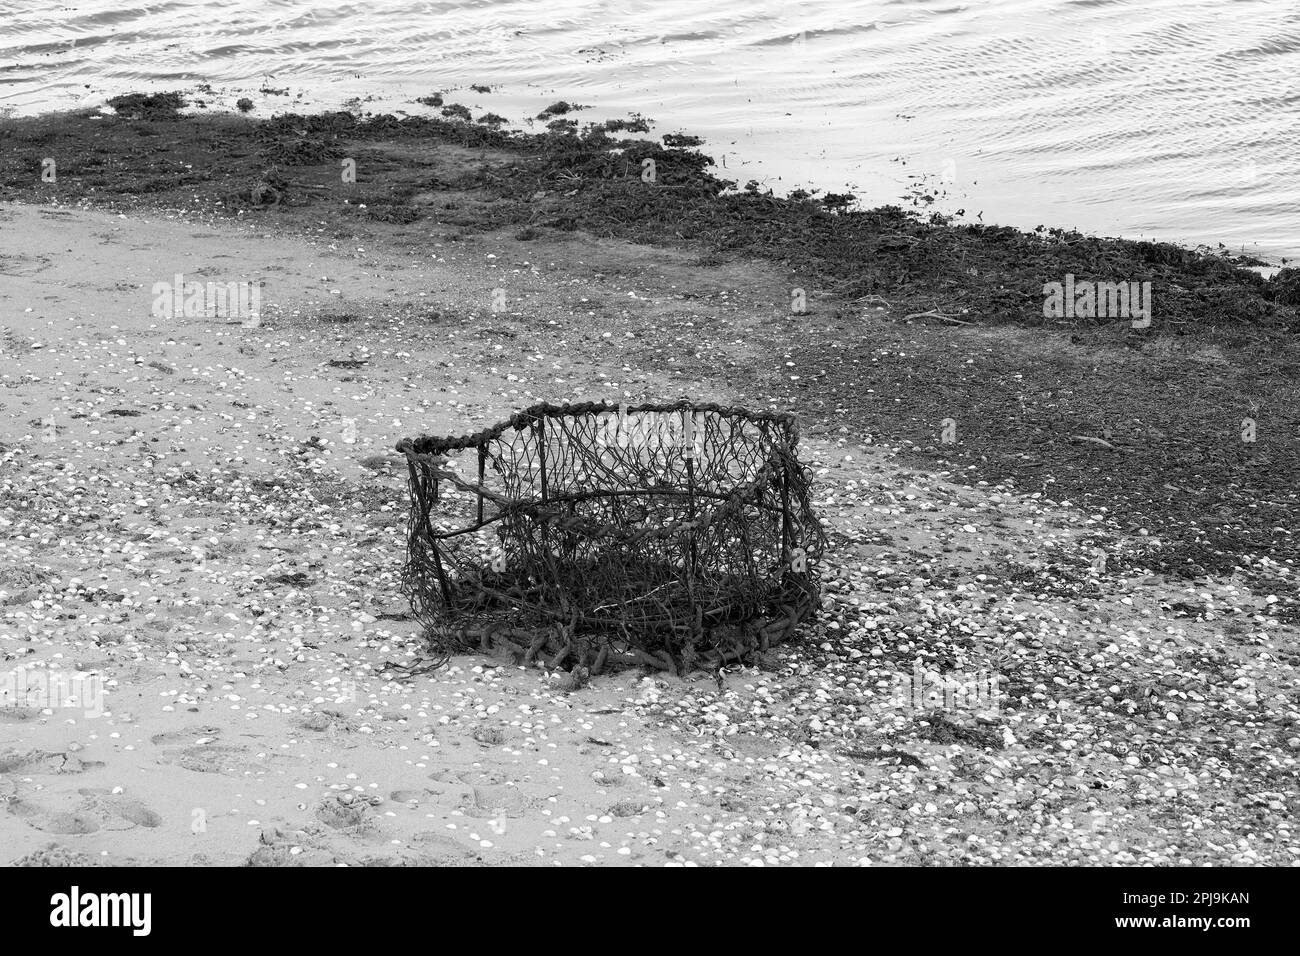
{"x":678,"y":535}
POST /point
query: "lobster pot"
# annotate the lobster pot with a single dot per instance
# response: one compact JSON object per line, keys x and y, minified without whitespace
{"x":678,"y":535}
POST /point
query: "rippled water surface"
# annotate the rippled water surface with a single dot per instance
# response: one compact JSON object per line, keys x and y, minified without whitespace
{"x":1172,"y":119}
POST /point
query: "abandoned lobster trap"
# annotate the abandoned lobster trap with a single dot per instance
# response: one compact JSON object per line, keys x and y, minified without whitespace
{"x":677,"y":535}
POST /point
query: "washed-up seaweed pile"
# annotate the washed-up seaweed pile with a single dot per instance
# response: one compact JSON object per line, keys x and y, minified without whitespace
{"x":597,"y":179}
{"x":639,"y":189}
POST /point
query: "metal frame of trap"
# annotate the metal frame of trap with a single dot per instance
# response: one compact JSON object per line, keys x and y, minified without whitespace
{"x":548,"y":461}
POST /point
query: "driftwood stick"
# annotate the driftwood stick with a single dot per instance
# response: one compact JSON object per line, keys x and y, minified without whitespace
{"x":935,"y":314}
{"x":1096,"y":441}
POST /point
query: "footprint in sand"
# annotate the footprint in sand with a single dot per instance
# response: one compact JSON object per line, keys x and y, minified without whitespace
{"x":44,"y":761}
{"x":486,"y":793}
{"x":136,"y":812}
{"x":445,"y":850}
{"x":52,"y":821}
{"x":118,"y":808}
{"x":16,"y":713}
{"x":496,"y":802}
{"x":409,"y":796}
{"x":448,"y":797}
{"x":206,"y":754}
{"x":187,"y":735}
{"x":329,"y":722}
{"x":341,"y":816}
{"x":95,"y":810}
{"x":210,"y":758}
{"x":470,"y":776}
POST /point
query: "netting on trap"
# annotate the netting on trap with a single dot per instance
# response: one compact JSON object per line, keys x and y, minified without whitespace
{"x":676,"y":535}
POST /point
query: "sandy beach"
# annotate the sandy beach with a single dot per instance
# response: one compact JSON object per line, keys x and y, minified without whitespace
{"x":205,"y":520}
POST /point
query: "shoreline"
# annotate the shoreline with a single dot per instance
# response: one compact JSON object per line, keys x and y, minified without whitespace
{"x":230,"y":556}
